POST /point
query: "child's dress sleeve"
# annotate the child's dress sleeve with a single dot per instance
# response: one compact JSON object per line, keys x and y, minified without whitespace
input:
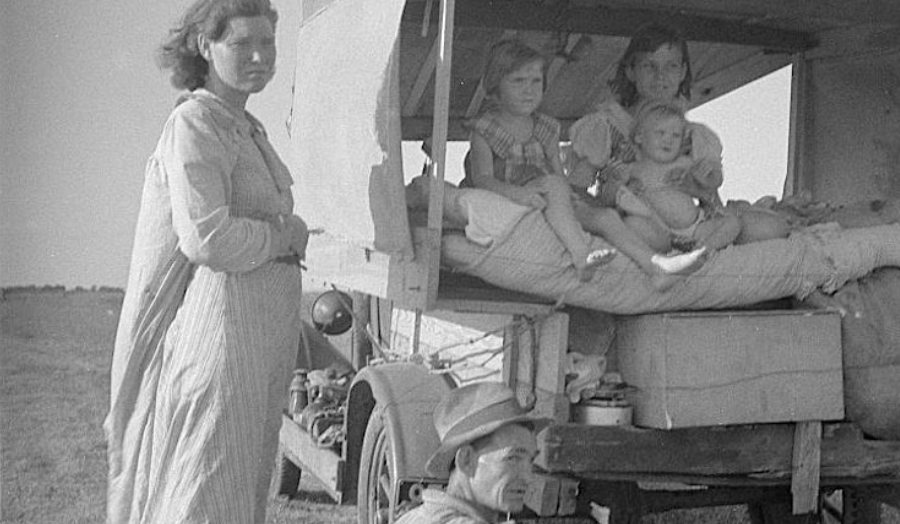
{"x":591,"y":140}
{"x":704,"y":143}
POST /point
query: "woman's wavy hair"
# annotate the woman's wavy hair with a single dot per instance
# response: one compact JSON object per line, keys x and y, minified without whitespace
{"x":648,"y":39}
{"x":180,"y":52}
{"x":505,"y":57}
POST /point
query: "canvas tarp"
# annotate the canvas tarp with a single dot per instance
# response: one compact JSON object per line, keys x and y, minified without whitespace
{"x":345,"y":124}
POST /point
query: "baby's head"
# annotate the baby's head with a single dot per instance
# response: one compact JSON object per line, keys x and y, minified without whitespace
{"x":659,"y":130}
{"x":505,"y":58}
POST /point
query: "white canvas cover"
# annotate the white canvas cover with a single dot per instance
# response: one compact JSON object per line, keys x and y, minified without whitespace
{"x":345,"y":124}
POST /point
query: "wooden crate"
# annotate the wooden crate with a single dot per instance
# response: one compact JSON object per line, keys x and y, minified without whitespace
{"x":732,"y":367}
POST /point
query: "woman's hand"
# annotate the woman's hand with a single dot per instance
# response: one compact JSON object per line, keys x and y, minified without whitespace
{"x":297,"y":233}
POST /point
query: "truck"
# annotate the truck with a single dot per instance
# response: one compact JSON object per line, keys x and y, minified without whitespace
{"x":374,"y":76}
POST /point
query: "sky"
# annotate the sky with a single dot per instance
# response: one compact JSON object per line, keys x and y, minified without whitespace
{"x":82,"y":105}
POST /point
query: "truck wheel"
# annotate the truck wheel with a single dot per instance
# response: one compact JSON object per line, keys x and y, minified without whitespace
{"x":849,"y":506}
{"x":287,"y":476}
{"x":375,"y":493}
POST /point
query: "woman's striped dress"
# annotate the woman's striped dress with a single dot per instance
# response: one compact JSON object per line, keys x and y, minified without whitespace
{"x":209,"y":329}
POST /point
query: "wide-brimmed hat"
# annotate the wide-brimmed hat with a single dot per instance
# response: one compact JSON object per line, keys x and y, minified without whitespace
{"x":469,"y":413}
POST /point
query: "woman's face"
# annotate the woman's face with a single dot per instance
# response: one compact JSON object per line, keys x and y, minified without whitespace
{"x":521,"y":91}
{"x":242,"y":61}
{"x":658,"y":75}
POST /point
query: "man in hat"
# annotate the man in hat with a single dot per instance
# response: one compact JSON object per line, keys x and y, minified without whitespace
{"x":487,"y":448}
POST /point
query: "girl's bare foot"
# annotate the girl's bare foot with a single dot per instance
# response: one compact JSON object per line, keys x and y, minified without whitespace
{"x":595,"y":259}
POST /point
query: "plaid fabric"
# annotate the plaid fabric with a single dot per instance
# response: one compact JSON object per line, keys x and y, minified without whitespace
{"x":524,"y":161}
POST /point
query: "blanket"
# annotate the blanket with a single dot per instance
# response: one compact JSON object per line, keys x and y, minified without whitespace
{"x":531,"y":259}
{"x":822,"y":264}
{"x":870,"y":333}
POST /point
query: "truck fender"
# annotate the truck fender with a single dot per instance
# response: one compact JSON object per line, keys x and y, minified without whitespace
{"x":407,"y":393}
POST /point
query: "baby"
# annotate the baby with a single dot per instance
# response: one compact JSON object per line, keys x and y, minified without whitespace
{"x":663,"y":184}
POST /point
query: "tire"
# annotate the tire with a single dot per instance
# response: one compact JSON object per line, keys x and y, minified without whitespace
{"x":375,"y":499}
{"x":287,"y":476}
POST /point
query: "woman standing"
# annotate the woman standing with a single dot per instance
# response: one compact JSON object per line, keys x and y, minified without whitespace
{"x":210,"y":324}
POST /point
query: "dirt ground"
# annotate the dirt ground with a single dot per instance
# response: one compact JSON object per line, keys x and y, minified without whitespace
{"x":54,"y":385}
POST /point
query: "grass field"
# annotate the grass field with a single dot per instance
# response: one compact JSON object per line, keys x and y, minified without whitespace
{"x":54,"y":374}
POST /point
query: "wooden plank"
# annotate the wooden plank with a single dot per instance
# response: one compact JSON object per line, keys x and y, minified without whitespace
{"x":510,"y":371}
{"x":737,"y":481}
{"x":805,"y":464}
{"x":715,"y":84}
{"x":763,"y":451}
{"x":462,"y":292}
{"x":432,"y":252}
{"x":420,"y":127}
{"x":836,"y":11}
{"x":542,"y":496}
{"x":324,"y":464}
{"x":549,"y":376}
{"x":613,"y":21}
{"x":425,"y":74}
{"x":558,"y":62}
{"x":494,"y":307}
{"x":798,"y":129}
{"x":568,"y":496}
{"x":347,"y":265}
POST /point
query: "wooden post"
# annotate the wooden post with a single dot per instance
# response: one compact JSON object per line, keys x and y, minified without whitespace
{"x":805,"y":466}
{"x":549,"y":368}
{"x":511,"y":354}
{"x":439,"y":144}
{"x":361,"y":348}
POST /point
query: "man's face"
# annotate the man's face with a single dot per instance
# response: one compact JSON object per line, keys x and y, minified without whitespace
{"x":504,"y":469}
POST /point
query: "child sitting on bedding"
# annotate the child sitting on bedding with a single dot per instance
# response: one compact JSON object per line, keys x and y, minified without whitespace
{"x":514,"y":151}
{"x":656,"y":186}
{"x":488,"y":218}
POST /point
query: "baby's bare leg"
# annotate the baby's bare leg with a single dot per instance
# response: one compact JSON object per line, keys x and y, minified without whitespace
{"x":663,"y":270}
{"x":719,"y":232}
{"x":761,"y":224}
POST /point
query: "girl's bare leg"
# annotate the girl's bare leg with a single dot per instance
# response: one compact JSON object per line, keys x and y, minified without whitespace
{"x":561,"y":217}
